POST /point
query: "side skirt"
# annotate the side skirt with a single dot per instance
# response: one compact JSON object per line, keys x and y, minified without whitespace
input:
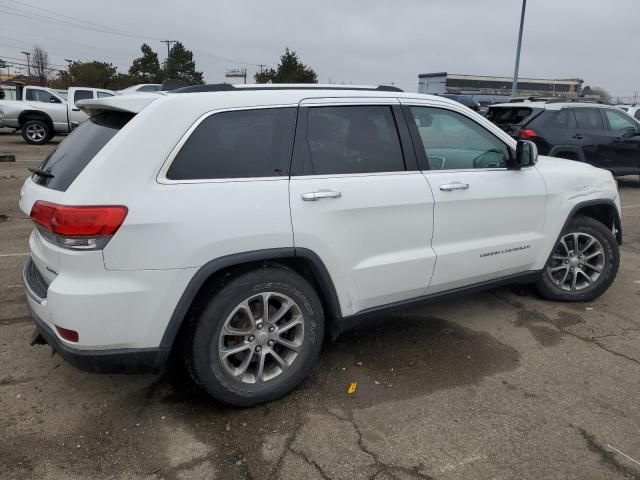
{"x":372,"y":314}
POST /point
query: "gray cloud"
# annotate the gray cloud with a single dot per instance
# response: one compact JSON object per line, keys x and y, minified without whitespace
{"x":357,"y":41}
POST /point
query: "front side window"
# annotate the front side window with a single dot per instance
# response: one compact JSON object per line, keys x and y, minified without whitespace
{"x":36,"y":95}
{"x":352,"y":139}
{"x":104,"y":94}
{"x":619,"y":121}
{"x":237,"y":144}
{"x":82,"y":95}
{"x":453,"y":141}
{"x":588,"y":118}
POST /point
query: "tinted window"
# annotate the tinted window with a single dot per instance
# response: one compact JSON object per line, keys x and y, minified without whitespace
{"x":104,"y":94}
{"x":353,"y":139}
{"x":619,"y":121}
{"x":35,"y":95}
{"x":82,"y":95}
{"x":563,"y":119}
{"x":454,"y":141}
{"x":247,"y":143}
{"x":508,"y":115}
{"x":76,"y":151}
{"x":588,"y":118}
{"x":637,"y":114}
{"x":149,"y":88}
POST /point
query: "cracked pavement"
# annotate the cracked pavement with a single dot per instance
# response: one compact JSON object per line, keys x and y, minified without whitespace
{"x":497,"y":385}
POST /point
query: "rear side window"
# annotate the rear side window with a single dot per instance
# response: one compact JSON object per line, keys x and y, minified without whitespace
{"x":82,"y":95}
{"x":76,"y":151}
{"x":352,"y":139}
{"x":588,"y":118}
{"x":563,"y":119}
{"x":238,"y":144}
{"x":508,"y":115}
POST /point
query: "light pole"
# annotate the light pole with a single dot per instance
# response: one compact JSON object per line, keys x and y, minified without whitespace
{"x":28,"y":54}
{"x":514,"y":88}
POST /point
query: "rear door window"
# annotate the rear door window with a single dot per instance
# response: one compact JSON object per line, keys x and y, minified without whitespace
{"x":237,"y":144}
{"x":563,"y":119}
{"x":588,"y":118}
{"x":82,"y":95}
{"x":76,"y":151}
{"x":352,"y":139}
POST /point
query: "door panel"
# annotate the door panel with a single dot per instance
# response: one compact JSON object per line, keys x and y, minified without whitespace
{"x":488,"y":220}
{"x":492,"y":229}
{"x":624,"y":137}
{"x":354,"y":203}
{"x":374,"y":239}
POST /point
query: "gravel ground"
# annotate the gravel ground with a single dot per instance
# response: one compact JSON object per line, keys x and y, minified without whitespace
{"x":498,"y":385}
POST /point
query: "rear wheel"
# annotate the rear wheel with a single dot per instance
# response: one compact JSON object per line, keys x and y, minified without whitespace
{"x":257,"y":337}
{"x":36,"y":132}
{"x":583,"y":265}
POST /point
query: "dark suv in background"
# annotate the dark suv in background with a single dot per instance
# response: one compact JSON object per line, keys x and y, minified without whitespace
{"x":599,"y":134}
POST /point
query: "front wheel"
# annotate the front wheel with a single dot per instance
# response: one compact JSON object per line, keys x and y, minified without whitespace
{"x":36,"y":132}
{"x":256,"y":338}
{"x":583,"y":264}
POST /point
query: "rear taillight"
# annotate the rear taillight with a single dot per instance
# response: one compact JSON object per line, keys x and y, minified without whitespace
{"x":528,"y":133}
{"x":78,"y":227}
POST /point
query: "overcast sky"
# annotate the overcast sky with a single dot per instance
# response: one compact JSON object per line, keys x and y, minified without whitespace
{"x":357,"y":41}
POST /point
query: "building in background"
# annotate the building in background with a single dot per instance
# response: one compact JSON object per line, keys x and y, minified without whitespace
{"x":490,"y":88}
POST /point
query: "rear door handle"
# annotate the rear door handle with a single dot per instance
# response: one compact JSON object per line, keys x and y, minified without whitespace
{"x":447,"y":187}
{"x":313,"y":196}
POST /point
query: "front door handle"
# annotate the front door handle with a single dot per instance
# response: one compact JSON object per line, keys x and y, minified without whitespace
{"x":313,"y":196}
{"x":447,"y":187}
{"x":577,"y":136}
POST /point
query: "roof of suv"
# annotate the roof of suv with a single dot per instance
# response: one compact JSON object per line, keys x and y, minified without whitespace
{"x":279,"y":94}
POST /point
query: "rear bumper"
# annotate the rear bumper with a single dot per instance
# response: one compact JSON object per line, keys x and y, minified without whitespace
{"x":129,"y":361}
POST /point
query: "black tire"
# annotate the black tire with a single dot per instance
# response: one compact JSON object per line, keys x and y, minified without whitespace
{"x":36,"y":132}
{"x":203,"y":336}
{"x":610,"y":262}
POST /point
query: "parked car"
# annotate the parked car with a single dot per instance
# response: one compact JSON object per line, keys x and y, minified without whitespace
{"x":594,"y":133}
{"x":632,"y":110}
{"x":42,"y":112}
{"x":141,"y":88}
{"x":261,"y":219}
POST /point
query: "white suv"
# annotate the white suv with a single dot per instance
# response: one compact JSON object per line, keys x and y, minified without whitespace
{"x":238,"y":227}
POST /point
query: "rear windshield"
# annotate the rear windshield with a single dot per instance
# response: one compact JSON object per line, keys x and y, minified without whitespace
{"x":76,"y":151}
{"x":508,"y":115}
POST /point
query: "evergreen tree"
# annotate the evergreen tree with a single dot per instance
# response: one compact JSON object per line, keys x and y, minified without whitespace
{"x":290,"y":70}
{"x":181,"y":66}
{"x":146,"y":69}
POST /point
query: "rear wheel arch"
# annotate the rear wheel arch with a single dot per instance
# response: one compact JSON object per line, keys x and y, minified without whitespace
{"x":216,"y":273}
{"x":568,"y":152}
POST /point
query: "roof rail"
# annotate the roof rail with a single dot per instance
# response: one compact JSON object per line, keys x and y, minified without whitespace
{"x":227,"y":87}
{"x":576,"y":100}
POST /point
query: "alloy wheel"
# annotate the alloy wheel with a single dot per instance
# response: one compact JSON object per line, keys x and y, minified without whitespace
{"x":36,"y":132}
{"x":261,"y":338}
{"x":577,"y":262}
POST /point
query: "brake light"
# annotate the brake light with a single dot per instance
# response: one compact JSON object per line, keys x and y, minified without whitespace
{"x":83,"y":227}
{"x":527,"y":133}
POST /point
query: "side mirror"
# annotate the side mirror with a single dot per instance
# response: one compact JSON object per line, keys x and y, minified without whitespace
{"x":526,"y":154}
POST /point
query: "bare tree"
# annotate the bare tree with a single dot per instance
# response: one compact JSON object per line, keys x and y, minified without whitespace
{"x":40,"y":64}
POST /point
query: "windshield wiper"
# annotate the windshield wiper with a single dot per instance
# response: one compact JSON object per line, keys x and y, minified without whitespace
{"x":41,"y":173}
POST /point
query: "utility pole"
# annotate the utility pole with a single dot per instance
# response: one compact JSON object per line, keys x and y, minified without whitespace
{"x":168,"y":42}
{"x":635,"y":97}
{"x":262,"y":65}
{"x":514,"y":88}
{"x":28,"y":54}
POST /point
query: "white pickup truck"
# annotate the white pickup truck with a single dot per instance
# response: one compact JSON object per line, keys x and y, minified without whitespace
{"x":40,"y":113}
